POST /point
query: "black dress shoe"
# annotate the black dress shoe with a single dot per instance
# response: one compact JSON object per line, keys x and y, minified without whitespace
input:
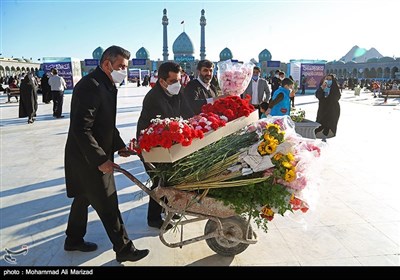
{"x":132,"y":255}
{"x":158,"y":224}
{"x":83,"y":247}
{"x":59,"y":117}
{"x":176,"y":217}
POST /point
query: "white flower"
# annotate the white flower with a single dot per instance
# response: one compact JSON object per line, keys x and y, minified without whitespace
{"x":223,"y":118}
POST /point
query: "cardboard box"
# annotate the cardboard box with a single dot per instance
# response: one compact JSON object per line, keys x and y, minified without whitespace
{"x":159,"y":154}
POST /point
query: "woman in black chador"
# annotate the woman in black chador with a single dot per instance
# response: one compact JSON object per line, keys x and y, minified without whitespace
{"x":28,"y":103}
{"x":328,"y":113}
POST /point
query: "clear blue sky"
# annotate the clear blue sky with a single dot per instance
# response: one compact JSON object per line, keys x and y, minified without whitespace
{"x":296,"y":29}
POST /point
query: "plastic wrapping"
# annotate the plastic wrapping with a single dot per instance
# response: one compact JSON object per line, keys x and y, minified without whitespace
{"x":234,"y":77}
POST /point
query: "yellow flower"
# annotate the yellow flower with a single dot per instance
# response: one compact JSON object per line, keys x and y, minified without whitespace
{"x":270,"y":139}
{"x":267,"y":211}
{"x":287,"y":165}
{"x":270,"y":148}
{"x":277,"y":156}
{"x":273,"y":127}
{"x":290,"y":157}
{"x":261,"y":148}
{"x":290,"y":175}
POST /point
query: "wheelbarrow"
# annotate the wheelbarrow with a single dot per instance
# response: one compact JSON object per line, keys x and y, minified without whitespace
{"x":225,"y":232}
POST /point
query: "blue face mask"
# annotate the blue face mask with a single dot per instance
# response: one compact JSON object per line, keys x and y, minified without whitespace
{"x":326,"y":91}
{"x":255,"y":77}
{"x":329,"y":83}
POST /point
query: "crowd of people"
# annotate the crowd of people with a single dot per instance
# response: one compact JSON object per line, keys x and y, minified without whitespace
{"x":93,"y":137}
{"x":50,"y":85}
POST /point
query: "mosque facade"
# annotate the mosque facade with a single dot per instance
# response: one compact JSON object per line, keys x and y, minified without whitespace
{"x":184,"y":54}
{"x":374,"y":68}
{"x":16,"y":66}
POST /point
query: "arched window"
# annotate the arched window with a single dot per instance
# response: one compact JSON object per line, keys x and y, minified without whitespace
{"x":394,"y":71}
{"x":379,"y":72}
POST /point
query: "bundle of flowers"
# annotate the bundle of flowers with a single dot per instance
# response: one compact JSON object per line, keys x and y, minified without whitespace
{"x":165,"y":133}
{"x":272,"y":137}
{"x":234,"y":77}
{"x":254,"y":183}
{"x":207,"y":121}
{"x":297,"y":115}
{"x":232,"y":107}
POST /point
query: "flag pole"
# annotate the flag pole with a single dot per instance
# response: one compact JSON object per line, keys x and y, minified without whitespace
{"x":183,"y":23}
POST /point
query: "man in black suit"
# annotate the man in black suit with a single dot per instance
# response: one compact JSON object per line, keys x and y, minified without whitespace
{"x":201,"y":91}
{"x":89,"y":157}
{"x":166,"y":100}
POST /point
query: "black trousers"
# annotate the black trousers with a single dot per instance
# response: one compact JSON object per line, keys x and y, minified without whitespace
{"x":46,"y":96}
{"x":110,"y":216}
{"x":58,"y":99}
{"x":155,"y":209}
{"x":257,"y":107}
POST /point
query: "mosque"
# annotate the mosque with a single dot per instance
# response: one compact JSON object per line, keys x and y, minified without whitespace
{"x":183,"y":51}
{"x":373,"y":66}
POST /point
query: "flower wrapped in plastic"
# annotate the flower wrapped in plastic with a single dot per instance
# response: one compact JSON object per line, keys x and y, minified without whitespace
{"x":262,"y":170}
{"x":297,"y":115}
{"x":234,"y":77}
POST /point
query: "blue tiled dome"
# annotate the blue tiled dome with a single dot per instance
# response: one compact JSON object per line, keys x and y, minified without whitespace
{"x":386,"y":59}
{"x":265,"y":55}
{"x":225,"y":54}
{"x":374,"y":59}
{"x":142,"y":53}
{"x":339,"y":62}
{"x":97,"y":53}
{"x":183,"y":45}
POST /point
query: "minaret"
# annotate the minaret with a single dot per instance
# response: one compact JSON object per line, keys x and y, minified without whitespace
{"x":202,"y":36}
{"x":165,"y":35}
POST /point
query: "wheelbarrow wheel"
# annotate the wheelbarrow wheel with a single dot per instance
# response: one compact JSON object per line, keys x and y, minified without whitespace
{"x":233,"y":226}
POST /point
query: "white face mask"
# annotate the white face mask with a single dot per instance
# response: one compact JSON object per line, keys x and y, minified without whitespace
{"x":118,"y":75}
{"x":174,"y":88}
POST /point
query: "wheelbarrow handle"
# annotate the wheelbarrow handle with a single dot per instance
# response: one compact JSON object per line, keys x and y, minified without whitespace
{"x":133,"y":179}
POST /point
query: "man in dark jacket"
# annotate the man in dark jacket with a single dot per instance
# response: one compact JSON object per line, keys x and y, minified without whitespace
{"x":201,"y":91}
{"x":166,"y":100}
{"x":89,"y":154}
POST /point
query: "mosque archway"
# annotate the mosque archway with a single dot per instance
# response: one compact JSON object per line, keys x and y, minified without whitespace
{"x":366,"y":73}
{"x":386,"y":73}
{"x":379,"y":72}
{"x":355,"y":73}
{"x":372,"y":73}
{"x":394,"y":71}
